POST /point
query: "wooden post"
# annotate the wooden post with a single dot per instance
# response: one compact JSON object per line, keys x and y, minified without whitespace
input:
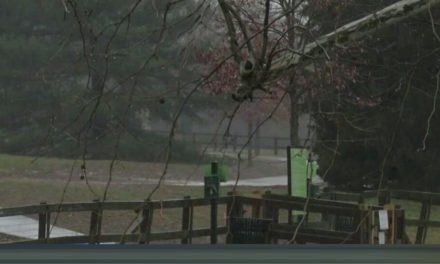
{"x":361,"y":198}
{"x":269,"y":212}
{"x":384,"y":197}
{"x":233,"y":209}
{"x":255,"y":210}
{"x":400,"y":226}
{"x":187,"y":220}
{"x":275,"y":146}
{"x":145,"y":225}
{"x":422,"y":228}
{"x":95,"y":224}
{"x":360,"y":221}
{"x":214,"y":204}
{"x":43,"y":223}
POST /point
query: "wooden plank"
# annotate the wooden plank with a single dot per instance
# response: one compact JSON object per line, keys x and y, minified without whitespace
{"x":308,"y":235}
{"x":425,"y":212}
{"x":213,"y":218}
{"x":43,"y":223}
{"x":312,"y":207}
{"x":234,"y":208}
{"x":248,"y":200}
{"x":270,"y":211}
{"x":369,"y":194}
{"x":416,"y":196}
{"x":187,"y":221}
{"x":400,"y":228}
{"x":256,"y":209}
{"x":418,"y":222}
{"x":130,"y":238}
{"x":384,"y":198}
{"x":108,"y":205}
{"x":341,"y":196}
{"x":95,"y":224}
{"x":315,"y":202}
{"x":145,"y":224}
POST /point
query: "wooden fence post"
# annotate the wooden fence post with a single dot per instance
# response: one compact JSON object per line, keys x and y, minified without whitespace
{"x":256,"y":209}
{"x":400,"y":232}
{"x":187,"y":220}
{"x":43,"y":223}
{"x":145,"y":225}
{"x":384,"y":197}
{"x":360,"y":222}
{"x":234,"y":209}
{"x":422,"y":228}
{"x":214,"y":206}
{"x":95,"y":223}
{"x":270,"y":212}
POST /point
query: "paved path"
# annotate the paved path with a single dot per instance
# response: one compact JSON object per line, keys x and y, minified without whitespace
{"x":26,"y":227}
{"x":259,"y":182}
{"x":231,"y":154}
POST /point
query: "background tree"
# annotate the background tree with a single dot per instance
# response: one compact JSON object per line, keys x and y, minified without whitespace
{"x":85,"y":76}
{"x":387,"y":116}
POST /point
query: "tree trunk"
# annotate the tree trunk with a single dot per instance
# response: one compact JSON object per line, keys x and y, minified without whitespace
{"x":293,"y":93}
{"x":250,"y":145}
{"x":294,"y":116}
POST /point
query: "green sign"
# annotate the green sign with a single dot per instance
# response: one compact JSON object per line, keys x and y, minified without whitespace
{"x":298,"y":172}
{"x":301,"y":171}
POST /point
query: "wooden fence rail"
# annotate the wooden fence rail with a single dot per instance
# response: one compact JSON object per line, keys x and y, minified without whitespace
{"x":233,"y":141}
{"x":268,"y":207}
{"x":96,"y":208}
{"x":106,"y":206}
{"x":426,"y":200}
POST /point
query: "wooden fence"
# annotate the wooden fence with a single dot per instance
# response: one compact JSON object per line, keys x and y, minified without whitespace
{"x":96,"y":209}
{"x":425,"y":199}
{"x":269,"y":206}
{"x":234,"y":142}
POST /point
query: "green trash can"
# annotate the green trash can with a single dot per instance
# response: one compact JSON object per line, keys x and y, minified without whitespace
{"x":222,"y":172}
{"x":212,"y":182}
